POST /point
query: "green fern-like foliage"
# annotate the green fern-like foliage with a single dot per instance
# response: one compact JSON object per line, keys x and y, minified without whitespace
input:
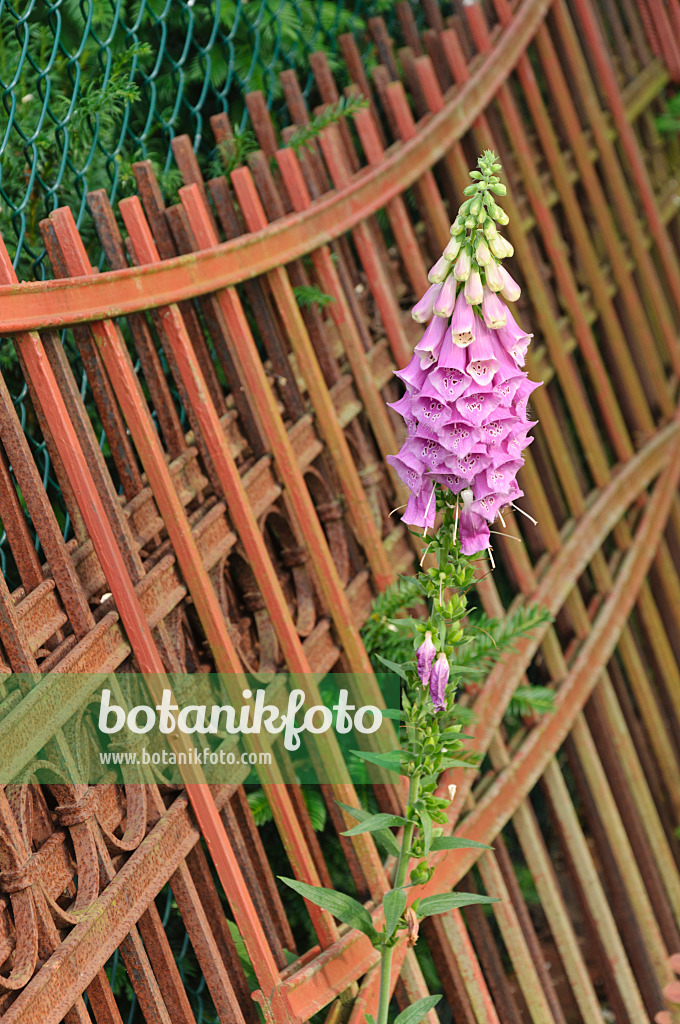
{"x":388,"y":634}
{"x":309,"y":295}
{"x":332,"y":114}
{"x":668,"y":122}
{"x":387,"y":630}
{"x":316,"y":808}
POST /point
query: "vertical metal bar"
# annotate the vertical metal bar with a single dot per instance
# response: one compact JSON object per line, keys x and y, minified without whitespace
{"x":137,"y":629}
{"x":368,"y":254}
{"x":327,"y":276}
{"x":259,"y":390}
{"x":331,"y":430}
{"x":120,"y":370}
{"x":174,"y":333}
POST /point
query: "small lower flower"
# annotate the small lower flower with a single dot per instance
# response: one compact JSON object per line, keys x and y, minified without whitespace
{"x":424,"y":658}
{"x":439,"y":677}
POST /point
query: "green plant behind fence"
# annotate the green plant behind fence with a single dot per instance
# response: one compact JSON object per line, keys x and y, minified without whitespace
{"x":89,"y":86}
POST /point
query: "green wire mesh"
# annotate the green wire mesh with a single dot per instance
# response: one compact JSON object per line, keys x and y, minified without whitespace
{"x":90,"y":86}
{"x":87,"y":87}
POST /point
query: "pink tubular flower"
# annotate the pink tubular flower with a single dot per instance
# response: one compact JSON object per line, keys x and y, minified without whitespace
{"x":425,"y":657}
{"x":482,"y":362}
{"x":465,"y":410}
{"x":514,"y":339}
{"x":431,"y":342}
{"x":422,"y":311}
{"x":439,"y":677}
{"x":494,"y":310}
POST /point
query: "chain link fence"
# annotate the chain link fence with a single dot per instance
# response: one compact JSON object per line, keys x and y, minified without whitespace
{"x":90,"y":86}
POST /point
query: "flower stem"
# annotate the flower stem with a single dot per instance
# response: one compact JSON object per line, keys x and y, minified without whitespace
{"x":399,"y":879}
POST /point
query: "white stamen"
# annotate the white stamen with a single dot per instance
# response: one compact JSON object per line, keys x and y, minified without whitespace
{"x":508,"y":535}
{"x":500,"y":516}
{"x":397,"y":509}
{"x":429,"y":502}
{"x":493,"y":564}
{"x":425,"y":552}
{"x":534,"y":521}
{"x":455,"y":525}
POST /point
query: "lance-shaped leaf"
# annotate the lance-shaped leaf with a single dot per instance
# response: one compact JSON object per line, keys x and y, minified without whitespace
{"x":391,"y":761}
{"x":456,"y":843}
{"x":375,"y":823}
{"x":394,"y":905}
{"x":343,"y":907}
{"x":414,"y":1013}
{"x":444,"y":901}
{"x":393,"y":666}
{"x":383,"y":836}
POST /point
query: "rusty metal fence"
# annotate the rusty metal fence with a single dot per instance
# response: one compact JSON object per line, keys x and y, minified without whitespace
{"x":240,"y":519}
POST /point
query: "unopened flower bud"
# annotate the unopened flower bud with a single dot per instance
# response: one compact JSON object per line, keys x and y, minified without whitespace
{"x":510,"y":291}
{"x":439,"y":677}
{"x":452,"y":249}
{"x":446,"y":299}
{"x":462,"y":266}
{"x":439,"y":271}
{"x":473,"y":288}
{"x":424,"y":658}
{"x":490,"y":230}
{"x":494,"y":310}
{"x":482,"y":254}
{"x":424,"y":308}
{"x":500,"y":247}
{"x":493,"y":276}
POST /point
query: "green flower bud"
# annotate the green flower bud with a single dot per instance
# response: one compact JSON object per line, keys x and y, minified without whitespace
{"x":490,"y":229}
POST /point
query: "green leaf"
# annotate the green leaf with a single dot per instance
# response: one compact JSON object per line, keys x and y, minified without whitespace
{"x":454,"y":843}
{"x":426,"y":827}
{"x":375,"y":823}
{"x":452,"y":762}
{"x":393,"y":713}
{"x":449,"y":900}
{"x":343,"y":907}
{"x":414,"y":1013}
{"x":390,"y":761}
{"x":370,"y":1018}
{"x":393,"y":666}
{"x":387,"y":840}
{"x":394,"y":905}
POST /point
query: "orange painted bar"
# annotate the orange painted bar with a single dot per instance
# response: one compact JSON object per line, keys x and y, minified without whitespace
{"x":242,"y":514}
{"x":289,"y":470}
{"x":137,"y":629}
{"x":57,"y":303}
{"x":121,"y":372}
{"x":329,"y":426}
